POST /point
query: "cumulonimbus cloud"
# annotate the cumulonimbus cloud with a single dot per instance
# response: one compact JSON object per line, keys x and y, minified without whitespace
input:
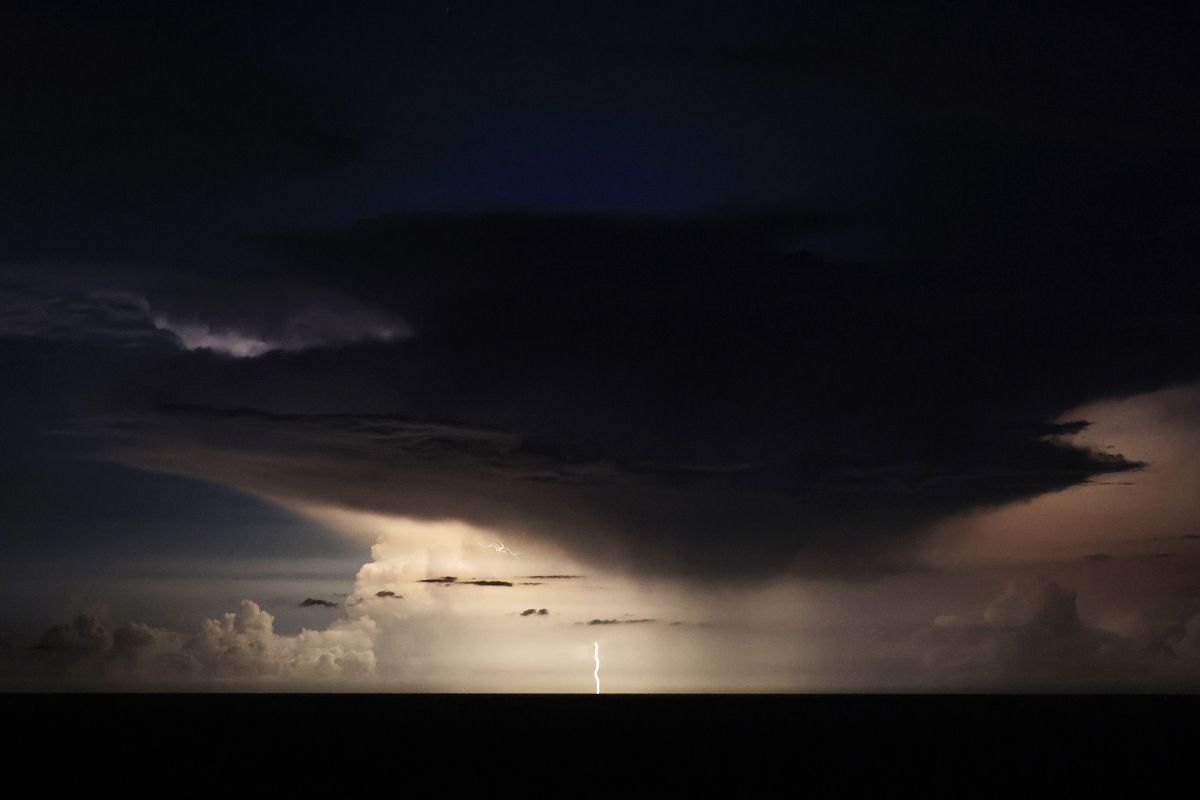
{"x":645,"y":519}
{"x":692,"y":401}
{"x":1031,"y":636}
{"x":241,"y":645}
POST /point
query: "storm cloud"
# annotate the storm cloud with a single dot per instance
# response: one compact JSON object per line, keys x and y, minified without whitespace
{"x":706,"y":404}
{"x":750,"y":317}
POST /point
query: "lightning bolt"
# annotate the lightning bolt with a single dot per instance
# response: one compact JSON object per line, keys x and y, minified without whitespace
{"x":596,"y":674}
{"x":499,"y":547}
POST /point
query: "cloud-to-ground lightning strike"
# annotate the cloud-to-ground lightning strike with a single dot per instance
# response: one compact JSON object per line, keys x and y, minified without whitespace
{"x":596,"y":674}
{"x":500,"y":547}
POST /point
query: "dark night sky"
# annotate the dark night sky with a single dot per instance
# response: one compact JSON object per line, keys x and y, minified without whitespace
{"x":698,"y":291}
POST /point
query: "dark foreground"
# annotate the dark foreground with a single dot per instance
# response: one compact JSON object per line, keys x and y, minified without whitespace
{"x":538,"y":745}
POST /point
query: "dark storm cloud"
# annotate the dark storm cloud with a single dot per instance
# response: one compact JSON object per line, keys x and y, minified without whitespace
{"x":1062,"y":428}
{"x":38,"y":309}
{"x":617,"y":621}
{"x":678,"y":395}
{"x":311,"y":602}
{"x":692,"y":394}
{"x":436,"y":470}
{"x":134,"y":307}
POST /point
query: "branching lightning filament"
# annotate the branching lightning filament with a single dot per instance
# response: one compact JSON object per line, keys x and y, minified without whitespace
{"x":500,"y":547}
{"x":596,"y":674}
